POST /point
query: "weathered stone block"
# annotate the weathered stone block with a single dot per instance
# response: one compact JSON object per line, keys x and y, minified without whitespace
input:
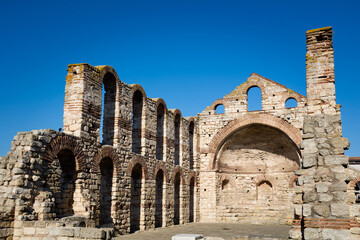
{"x":339,"y":210}
{"x":322,"y":210}
{"x":340,"y":142}
{"x":325,"y":197}
{"x":322,"y":187}
{"x":311,"y":233}
{"x":336,"y":159}
{"x":336,"y":234}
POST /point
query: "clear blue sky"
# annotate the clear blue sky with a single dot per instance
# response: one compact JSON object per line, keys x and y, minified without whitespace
{"x":190,"y":53}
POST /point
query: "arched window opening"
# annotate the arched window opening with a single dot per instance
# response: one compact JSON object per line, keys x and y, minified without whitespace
{"x":291,"y":103}
{"x":254,"y":99}
{"x":65,"y":192}
{"x":160,"y":132}
{"x":108,"y":109}
{"x":106,"y":181}
{"x":192,"y":200}
{"x":219,"y":109}
{"x":135,"y":205}
{"x":177,"y":199}
{"x":264,"y":191}
{"x":159,"y":192}
{"x":137,"y":121}
{"x":191,"y":145}
{"x":177,"y":140}
{"x":225,"y":184}
{"x":357,"y":192}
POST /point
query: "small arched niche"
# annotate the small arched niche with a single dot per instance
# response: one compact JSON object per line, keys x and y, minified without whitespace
{"x":254,"y":98}
{"x":291,"y":103}
{"x":264,"y":191}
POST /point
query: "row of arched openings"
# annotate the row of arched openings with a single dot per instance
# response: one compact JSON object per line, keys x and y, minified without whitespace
{"x":108,"y":122}
{"x":254,"y":101}
{"x":137,"y":183}
{"x":64,"y":192}
{"x":160,"y":130}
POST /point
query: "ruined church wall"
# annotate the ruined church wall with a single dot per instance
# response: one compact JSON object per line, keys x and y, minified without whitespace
{"x":31,"y":199}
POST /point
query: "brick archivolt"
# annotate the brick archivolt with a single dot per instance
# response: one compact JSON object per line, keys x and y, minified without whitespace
{"x":192,"y":174}
{"x":137,"y":160}
{"x":106,"y":151}
{"x":218,"y":140}
{"x":219,"y":102}
{"x":65,"y":142}
{"x":161,"y":166}
{"x":108,"y":69}
{"x":176,"y":170}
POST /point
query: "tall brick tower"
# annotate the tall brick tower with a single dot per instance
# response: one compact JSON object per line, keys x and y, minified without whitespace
{"x":320,"y":77}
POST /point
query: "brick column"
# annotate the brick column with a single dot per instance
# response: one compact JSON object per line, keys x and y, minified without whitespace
{"x":320,"y":78}
{"x":82,"y":107}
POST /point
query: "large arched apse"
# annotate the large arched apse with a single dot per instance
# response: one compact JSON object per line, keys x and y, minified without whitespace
{"x":255,"y":165}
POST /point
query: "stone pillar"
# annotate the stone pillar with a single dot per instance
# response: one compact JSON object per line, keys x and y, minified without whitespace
{"x":82,"y":107}
{"x":325,"y":210}
{"x":320,"y":78}
{"x":207,"y":196}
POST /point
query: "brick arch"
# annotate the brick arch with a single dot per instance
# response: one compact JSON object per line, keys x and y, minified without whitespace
{"x":353,"y":182}
{"x":176,"y":170}
{"x":192,"y":174}
{"x":135,"y":87}
{"x":219,"y":102}
{"x":103,"y":152}
{"x":250,"y":84}
{"x":108,"y":69}
{"x":191,"y":120}
{"x":71,"y":143}
{"x":261,"y":118}
{"x":158,"y":101}
{"x":137,"y":160}
{"x":161,"y":166}
{"x":261,"y":179}
{"x":176,"y":112}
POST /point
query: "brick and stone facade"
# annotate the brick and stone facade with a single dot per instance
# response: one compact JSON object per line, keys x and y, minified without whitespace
{"x":148,"y":166}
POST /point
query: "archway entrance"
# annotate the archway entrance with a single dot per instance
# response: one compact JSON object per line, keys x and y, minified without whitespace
{"x":135,"y":205}
{"x":177,"y":199}
{"x":106,"y":168}
{"x":159,"y":199}
{"x":255,"y":166}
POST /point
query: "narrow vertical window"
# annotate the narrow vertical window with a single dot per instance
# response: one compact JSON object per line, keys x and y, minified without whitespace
{"x":108,"y":109}
{"x":160,"y":132}
{"x":106,"y":169}
{"x":254,"y":99}
{"x":137,"y":121}
{"x":191,"y":145}
{"x":177,"y":199}
{"x":177,"y":140}
{"x":159,"y":199}
{"x":135,"y":205}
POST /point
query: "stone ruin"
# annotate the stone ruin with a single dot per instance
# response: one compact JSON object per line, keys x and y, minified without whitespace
{"x":155,"y":168}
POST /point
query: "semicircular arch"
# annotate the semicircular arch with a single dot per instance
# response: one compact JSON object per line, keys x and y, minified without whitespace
{"x":262,"y":119}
